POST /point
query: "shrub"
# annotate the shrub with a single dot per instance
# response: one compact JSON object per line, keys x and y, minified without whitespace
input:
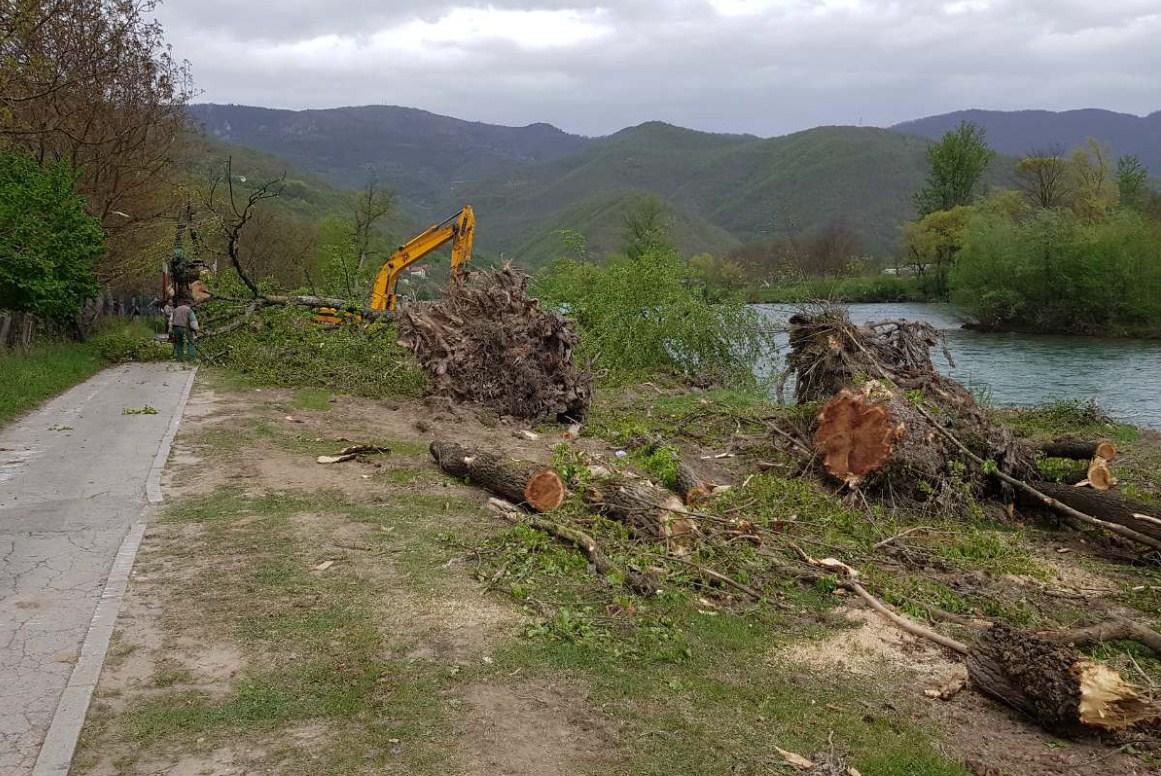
{"x":129,"y":342}
{"x":284,"y":346}
{"x":648,"y":315}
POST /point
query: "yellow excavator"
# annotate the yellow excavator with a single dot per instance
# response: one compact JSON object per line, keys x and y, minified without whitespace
{"x":458,"y":229}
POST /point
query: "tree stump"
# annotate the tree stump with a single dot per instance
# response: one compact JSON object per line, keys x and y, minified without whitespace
{"x":523,"y":482}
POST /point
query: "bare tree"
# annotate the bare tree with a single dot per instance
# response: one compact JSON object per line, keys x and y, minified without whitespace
{"x":371,"y":205}
{"x":1043,"y":178}
{"x":236,"y":214}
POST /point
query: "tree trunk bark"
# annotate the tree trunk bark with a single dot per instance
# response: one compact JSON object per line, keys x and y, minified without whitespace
{"x":1065,"y":692}
{"x":1079,"y":450}
{"x":5,"y":324}
{"x":523,"y":482}
{"x":692,"y":487}
{"x":1109,"y":506}
{"x":652,"y":512}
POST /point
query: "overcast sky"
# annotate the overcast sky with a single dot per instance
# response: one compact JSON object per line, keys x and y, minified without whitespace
{"x":762,"y":66}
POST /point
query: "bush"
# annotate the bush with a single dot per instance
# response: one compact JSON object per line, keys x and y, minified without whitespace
{"x":868,"y":288}
{"x":1058,"y":272}
{"x":649,"y":314}
{"x":129,"y":342}
{"x":284,"y":346}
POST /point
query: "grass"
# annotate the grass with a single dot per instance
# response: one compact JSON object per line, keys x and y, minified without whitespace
{"x":689,"y":676}
{"x":871,"y":288}
{"x":41,"y":372}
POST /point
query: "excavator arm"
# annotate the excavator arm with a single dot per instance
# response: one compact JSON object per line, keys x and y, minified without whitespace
{"x":458,"y":229}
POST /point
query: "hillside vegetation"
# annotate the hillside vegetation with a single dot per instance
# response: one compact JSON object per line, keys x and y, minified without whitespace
{"x":527,"y":183}
{"x":422,"y":155}
{"x":1023,"y":132}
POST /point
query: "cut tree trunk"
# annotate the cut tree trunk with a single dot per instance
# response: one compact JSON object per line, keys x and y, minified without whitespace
{"x":692,"y":487}
{"x":1079,"y":450}
{"x":1064,"y":691}
{"x":1109,"y":506}
{"x":531,"y":484}
{"x":652,"y":512}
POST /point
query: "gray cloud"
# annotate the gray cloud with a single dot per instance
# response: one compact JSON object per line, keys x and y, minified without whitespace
{"x":760,"y":66}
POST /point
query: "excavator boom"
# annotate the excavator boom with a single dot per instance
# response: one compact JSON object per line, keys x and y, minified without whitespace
{"x":458,"y":229}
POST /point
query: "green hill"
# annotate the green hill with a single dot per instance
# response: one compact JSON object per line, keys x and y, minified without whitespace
{"x":528,"y":183}
{"x":724,"y":189}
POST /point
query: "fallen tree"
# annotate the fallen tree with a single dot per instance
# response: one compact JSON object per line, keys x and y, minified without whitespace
{"x":1108,"y":505}
{"x":883,"y":401}
{"x":1078,"y":450}
{"x":523,"y":482}
{"x":487,"y":341}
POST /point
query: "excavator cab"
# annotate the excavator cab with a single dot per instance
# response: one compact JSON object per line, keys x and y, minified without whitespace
{"x":458,"y":229}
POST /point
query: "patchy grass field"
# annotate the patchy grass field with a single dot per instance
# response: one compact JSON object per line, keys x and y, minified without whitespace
{"x":287,"y":617}
{"x":41,"y":372}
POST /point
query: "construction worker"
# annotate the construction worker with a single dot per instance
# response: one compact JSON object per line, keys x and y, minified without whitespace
{"x":183,"y":328}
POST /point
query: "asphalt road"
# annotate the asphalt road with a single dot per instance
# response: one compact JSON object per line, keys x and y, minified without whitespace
{"x":75,"y":481}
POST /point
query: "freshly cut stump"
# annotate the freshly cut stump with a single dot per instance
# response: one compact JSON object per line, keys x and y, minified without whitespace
{"x":692,"y":487}
{"x":1064,"y":691}
{"x":524,"y":482}
{"x":855,"y":435}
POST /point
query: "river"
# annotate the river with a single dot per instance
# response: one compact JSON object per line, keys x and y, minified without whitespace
{"x":1123,"y":376}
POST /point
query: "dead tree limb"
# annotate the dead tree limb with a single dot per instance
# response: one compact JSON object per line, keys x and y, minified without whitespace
{"x":1118,"y":629}
{"x":1108,"y":505}
{"x":652,"y":512}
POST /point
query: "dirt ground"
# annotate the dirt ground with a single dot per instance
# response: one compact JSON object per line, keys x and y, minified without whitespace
{"x":288,"y":617}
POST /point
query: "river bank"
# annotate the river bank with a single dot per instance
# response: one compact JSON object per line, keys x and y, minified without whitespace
{"x":1024,"y":370}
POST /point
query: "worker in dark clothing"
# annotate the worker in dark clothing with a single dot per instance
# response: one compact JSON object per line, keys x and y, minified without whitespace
{"x":183,"y":329}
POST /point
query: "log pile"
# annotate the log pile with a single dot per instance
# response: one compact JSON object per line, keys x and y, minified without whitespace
{"x":885,"y":407}
{"x":487,"y":342}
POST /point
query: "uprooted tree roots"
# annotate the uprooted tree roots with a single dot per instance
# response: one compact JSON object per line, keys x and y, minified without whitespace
{"x":487,"y":342}
{"x":883,"y":403}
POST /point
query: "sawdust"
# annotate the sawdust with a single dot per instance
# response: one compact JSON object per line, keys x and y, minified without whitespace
{"x":870,"y":648}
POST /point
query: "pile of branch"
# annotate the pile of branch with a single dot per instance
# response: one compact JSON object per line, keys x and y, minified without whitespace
{"x":487,"y":342}
{"x":886,"y":407}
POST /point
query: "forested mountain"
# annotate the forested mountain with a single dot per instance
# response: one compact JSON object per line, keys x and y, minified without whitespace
{"x":421,"y":155}
{"x":1018,"y":133}
{"x":528,"y":183}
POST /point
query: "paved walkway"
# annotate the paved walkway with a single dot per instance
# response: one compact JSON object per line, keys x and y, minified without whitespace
{"x":75,"y":480}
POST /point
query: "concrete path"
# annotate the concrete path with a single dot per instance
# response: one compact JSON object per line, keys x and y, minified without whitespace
{"x":75,"y":480}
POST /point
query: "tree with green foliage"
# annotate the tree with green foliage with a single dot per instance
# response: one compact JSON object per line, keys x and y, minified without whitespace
{"x":1060,"y":271}
{"x":1132,"y":182}
{"x":49,"y":244}
{"x":1093,"y":185}
{"x":933,"y":243}
{"x":646,"y":227}
{"x":648,"y":314}
{"x":1043,"y":178}
{"x":958,"y":161}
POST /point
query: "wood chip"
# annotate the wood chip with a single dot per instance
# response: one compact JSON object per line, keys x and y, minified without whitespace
{"x":531,"y":436}
{"x":336,"y":458}
{"x":797,"y":760}
{"x":326,"y":564}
